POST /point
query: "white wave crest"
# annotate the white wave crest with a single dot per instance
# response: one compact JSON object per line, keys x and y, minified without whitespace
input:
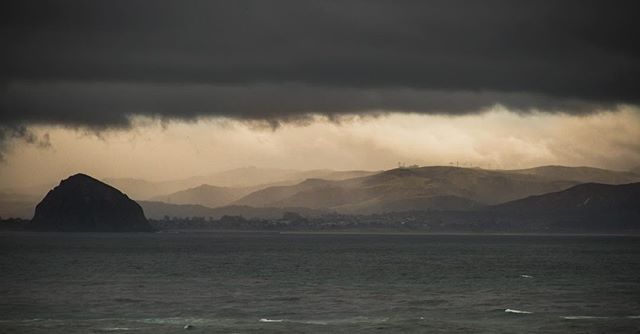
{"x":517,"y":311}
{"x":325,"y":322}
{"x":583,"y":317}
{"x":271,"y":320}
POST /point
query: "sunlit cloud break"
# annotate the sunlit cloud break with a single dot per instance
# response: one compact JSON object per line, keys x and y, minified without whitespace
{"x":495,"y":139}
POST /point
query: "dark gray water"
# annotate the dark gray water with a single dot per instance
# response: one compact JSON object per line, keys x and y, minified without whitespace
{"x":270,"y":283}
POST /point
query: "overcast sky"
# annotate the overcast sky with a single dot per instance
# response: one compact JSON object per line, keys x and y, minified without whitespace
{"x":74,"y":71}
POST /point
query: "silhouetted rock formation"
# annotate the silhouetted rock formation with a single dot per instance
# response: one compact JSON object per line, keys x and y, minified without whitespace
{"x":82,"y":203}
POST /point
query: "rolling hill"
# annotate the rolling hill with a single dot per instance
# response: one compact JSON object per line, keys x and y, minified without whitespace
{"x":247,"y":177}
{"x":586,"y":207}
{"x":206,"y":195}
{"x":355,"y":192}
{"x":403,"y":189}
{"x":595,"y":197}
{"x":581,"y":174}
{"x":216,"y":189}
{"x":215,"y":196}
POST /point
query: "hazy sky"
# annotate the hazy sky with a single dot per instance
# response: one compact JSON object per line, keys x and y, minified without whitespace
{"x":166,"y":89}
{"x":494,"y":139}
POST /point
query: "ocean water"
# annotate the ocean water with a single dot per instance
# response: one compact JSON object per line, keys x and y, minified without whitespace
{"x":297,"y":283}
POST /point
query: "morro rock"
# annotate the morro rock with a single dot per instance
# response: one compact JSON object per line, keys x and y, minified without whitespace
{"x":82,"y":203}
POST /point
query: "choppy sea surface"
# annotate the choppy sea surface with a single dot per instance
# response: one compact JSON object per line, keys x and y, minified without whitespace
{"x":308,"y":283}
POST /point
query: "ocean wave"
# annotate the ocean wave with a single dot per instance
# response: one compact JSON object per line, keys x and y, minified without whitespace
{"x":308,"y":322}
{"x":128,"y":300}
{"x":314,"y":322}
{"x":32,"y":320}
{"x":526,"y":276}
{"x":327,"y":321}
{"x":583,"y":317}
{"x":509,"y":310}
{"x":115,"y":329}
{"x":177,"y":321}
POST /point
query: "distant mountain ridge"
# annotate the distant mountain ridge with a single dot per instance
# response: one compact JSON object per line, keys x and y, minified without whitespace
{"x":395,"y":190}
{"x":206,"y":195}
{"x":20,"y":202}
{"x":252,"y":178}
{"x":430,"y":188}
{"x":585,"y":207}
{"x":580,"y":174}
{"x":585,"y":197}
{"x":361,"y":192}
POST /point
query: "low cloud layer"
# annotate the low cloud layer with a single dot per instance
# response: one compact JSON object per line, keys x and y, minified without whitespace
{"x":495,"y":139}
{"x":93,"y":104}
{"x":98,"y":63}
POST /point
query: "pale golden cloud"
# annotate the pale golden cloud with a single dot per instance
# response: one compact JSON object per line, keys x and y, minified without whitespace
{"x":170,"y":150}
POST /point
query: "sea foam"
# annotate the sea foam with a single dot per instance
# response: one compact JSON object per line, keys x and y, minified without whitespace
{"x":517,"y":311}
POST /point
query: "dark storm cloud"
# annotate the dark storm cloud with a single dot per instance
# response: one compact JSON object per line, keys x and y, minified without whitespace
{"x":93,"y":104}
{"x":96,"y":63}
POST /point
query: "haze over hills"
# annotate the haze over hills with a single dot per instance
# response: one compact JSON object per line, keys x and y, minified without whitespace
{"x":584,"y":208}
{"x":206,"y":195}
{"x":253,"y":178}
{"x":581,"y":174}
{"x":350,"y":192}
{"x":221,"y":188}
{"x":437,"y":187}
{"x":217,"y":196}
